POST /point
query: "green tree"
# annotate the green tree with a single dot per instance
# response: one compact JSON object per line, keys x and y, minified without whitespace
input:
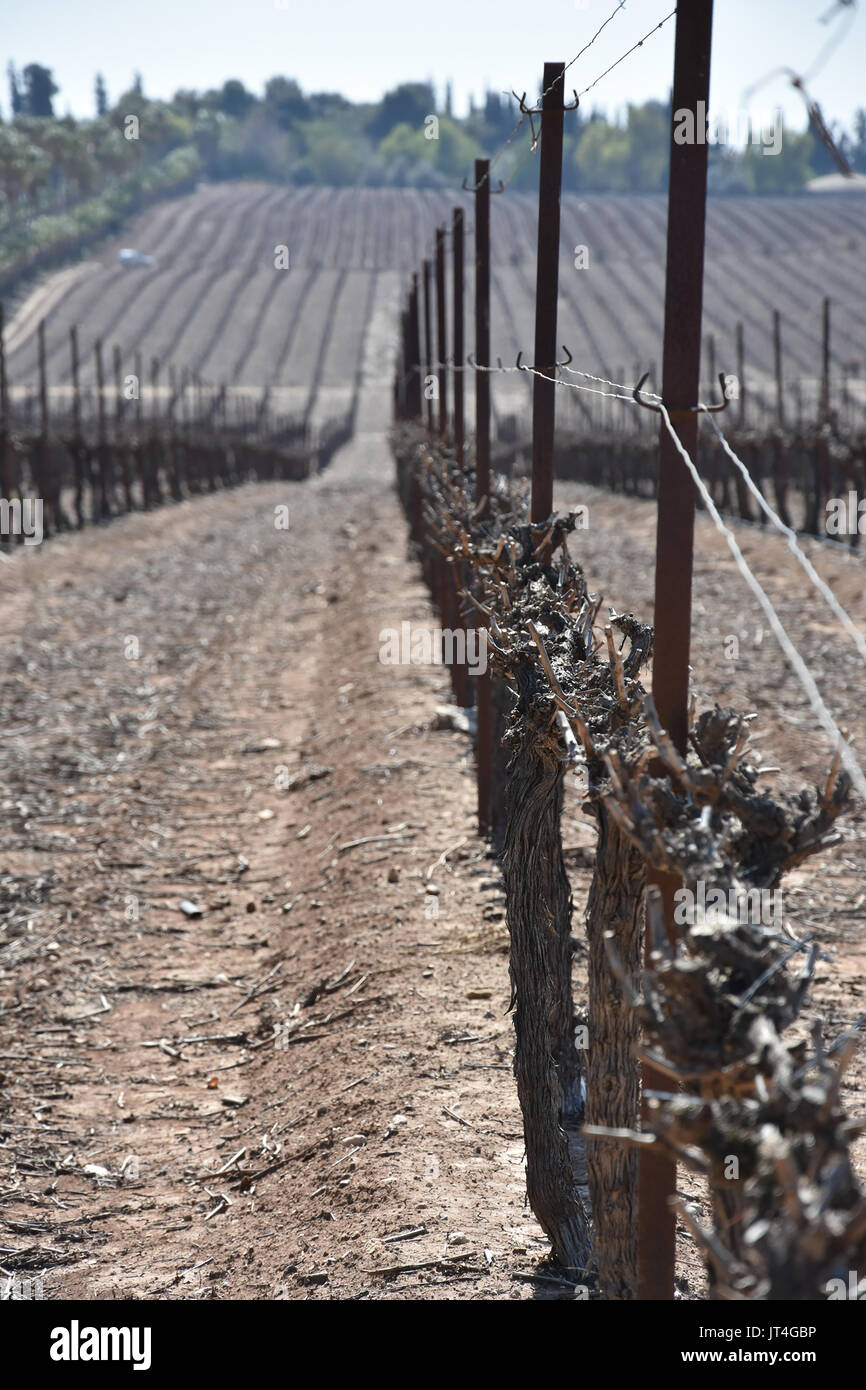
{"x":39,"y":90}
{"x":648,"y":130}
{"x":235,"y":100}
{"x":602,"y":160}
{"x":101,"y":95}
{"x":285,"y":101}
{"x":24,"y":169}
{"x":329,"y":157}
{"x":785,"y":172}
{"x":407,"y":104}
{"x":16,"y":101}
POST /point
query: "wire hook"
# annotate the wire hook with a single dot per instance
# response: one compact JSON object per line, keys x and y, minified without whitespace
{"x":531,"y":111}
{"x":683,"y":410}
{"x":568,"y":359}
{"x":474,"y":187}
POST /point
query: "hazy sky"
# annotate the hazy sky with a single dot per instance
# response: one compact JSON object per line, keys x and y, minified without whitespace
{"x":363,"y":47}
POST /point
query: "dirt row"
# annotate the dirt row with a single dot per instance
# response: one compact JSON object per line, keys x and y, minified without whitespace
{"x":305,"y":1091}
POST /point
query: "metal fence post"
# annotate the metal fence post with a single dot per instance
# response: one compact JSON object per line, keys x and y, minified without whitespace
{"x":546,"y":292}
{"x":675,"y":537}
{"x":459,"y":429}
{"x":441,"y":335}
{"x":484,"y":688}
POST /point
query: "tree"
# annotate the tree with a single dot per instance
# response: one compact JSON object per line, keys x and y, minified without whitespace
{"x":285,"y":101}
{"x":785,"y":172}
{"x":24,"y":169}
{"x":648,"y":128}
{"x":16,"y":101}
{"x":324,"y":105}
{"x":39,"y":90}
{"x":330,"y":157}
{"x":407,"y":104}
{"x":187,"y":102}
{"x":71,"y":161}
{"x":101,"y":95}
{"x":602,"y":158}
{"x":235,"y":100}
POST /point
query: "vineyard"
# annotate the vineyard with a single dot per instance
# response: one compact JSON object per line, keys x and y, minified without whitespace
{"x":333,"y":974}
{"x":214,"y":305}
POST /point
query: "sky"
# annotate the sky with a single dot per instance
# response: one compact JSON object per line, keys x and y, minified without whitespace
{"x":362,"y":48}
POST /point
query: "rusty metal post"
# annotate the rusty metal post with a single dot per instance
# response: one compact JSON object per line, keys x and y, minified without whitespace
{"x":777,"y":367}
{"x":139,"y":428}
{"x":79,"y":448}
{"x":414,"y":396}
{"x":482,"y":327}
{"x":825,"y":362}
{"x":402,"y":357}
{"x":484,"y":687}
{"x":463,"y":686}
{"x":43,"y":383}
{"x":441,"y":335}
{"x":427,"y":270}
{"x":741,"y":375}
{"x":546,"y":292}
{"x":41,"y":461}
{"x":5,"y":480}
{"x":119,"y":431}
{"x":75,"y":380}
{"x":687,"y":198}
{"x":176,"y":452}
{"x":155,"y":433}
{"x":102,"y":441}
{"x":459,"y":427}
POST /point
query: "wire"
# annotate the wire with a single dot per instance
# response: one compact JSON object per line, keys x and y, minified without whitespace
{"x":517,"y":168}
{"x":629,"y":51}
{"x":533,"y":147}
{"x":576,"y":385}
{"x":586,"y":46}
{"x":823,"y":588}
{"x":606,"y":382}
{"x":795,"y":661}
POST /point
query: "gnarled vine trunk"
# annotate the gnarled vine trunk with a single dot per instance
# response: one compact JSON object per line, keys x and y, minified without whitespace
{"x":545,"y":1063}
{"x":612,"y":1069}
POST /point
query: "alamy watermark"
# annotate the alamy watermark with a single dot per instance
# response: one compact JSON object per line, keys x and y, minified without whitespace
{"x":425,"y":646}
{"x":22,"y":518}
{"x":846,"y":516}
{"x":706,"y":905}
{"x":696,"y":128}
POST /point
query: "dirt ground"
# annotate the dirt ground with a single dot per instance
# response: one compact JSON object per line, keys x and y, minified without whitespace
{"x":305,"y":1092}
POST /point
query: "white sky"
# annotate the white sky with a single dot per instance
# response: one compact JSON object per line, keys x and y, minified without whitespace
{"x":363,"y":47}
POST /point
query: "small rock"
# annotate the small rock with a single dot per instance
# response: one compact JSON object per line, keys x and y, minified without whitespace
{"x":393,"y":874}
{"x":263,"y":745}
{"x":450,"y":717}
